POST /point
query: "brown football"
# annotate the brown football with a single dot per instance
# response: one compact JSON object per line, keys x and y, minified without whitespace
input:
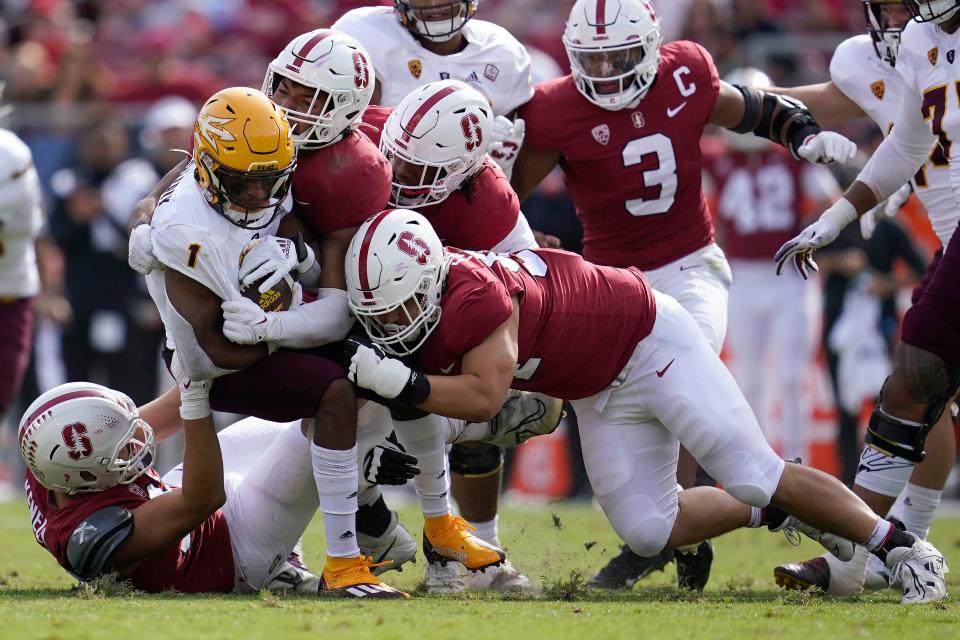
{"x":277,"y":298}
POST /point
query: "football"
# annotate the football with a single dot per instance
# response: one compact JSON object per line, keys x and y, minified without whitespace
{"x":277,"y":298}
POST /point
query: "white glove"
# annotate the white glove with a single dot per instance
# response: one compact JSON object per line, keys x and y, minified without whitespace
{"x":822,"y":232}
{"x":506,"y":138}
{"x":827,"y":147}
{"x":273,"y":257}
{"x":371,"y":369}
{"x":888,"y":208}
{"x":194,"y":394}
{"x":244,"y":322}
{"x":140,"y":251}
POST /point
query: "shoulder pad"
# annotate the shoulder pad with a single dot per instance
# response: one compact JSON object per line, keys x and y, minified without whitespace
{"x":96,"y":538}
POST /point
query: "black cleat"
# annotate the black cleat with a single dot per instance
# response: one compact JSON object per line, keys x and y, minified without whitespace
{"x":624,"y":570}
{"x":803,"y":575}
{"x":693,"y":569}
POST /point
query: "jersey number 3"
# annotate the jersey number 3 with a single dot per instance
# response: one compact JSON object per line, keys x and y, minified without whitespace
{"x":659,"y":180}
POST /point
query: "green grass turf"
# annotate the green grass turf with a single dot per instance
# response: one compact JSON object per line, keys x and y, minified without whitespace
{"x":37,"y":599}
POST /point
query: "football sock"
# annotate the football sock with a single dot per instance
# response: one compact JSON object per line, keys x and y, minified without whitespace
{"x":886,"y":537}
{"x":487,"y":531}
{"x":424,"y":439}
{"x":335,"y":472}
{"x":919,"y":507}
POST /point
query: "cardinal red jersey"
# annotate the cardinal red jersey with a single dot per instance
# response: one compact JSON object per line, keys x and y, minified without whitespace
{"x":340,"y":186}
{"x":634,"y":174}
{"x":759,"y":197}
{"x":579,"y":322}
{"x":476,"y":217}
{"x":200,"y":562}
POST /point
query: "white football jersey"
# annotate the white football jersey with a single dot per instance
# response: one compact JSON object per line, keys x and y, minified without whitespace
{"x":877,"y":88}
{"x":189,"y":236}
{"x":494,"y":61}
{"x":21,"y":218}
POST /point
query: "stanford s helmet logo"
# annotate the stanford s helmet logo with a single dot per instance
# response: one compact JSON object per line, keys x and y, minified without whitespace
{"x":361,"y":68}
{"x":470,"y":125}
{"x":414,"y":247}
{"x":78,"y":444}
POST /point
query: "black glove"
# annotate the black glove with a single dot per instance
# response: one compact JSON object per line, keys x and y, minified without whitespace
{"x":389,"y":463}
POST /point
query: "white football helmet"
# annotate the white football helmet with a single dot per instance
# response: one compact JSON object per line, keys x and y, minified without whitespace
{"x":935,"y":11}
{"x":338,"y":70}
{"x":747,"y":142}
{"x":885,"y":34}
{"x":614,"y":50}
{"x":435,"y":139}
{"x":396,"y":261}
{"x":436,"y":22}
{"x":82,"y":437}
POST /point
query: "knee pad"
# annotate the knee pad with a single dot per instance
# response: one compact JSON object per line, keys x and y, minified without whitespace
{"x":905,"y":439}
{"x":750,"y":494}
{"x":475,"y":460}
{"x":647,"y":537}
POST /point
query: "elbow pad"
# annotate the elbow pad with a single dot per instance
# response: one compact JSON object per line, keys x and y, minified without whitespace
{"x":776,"y":117}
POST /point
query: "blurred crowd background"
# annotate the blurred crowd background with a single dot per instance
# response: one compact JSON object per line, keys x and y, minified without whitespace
{"x":102,"y":90}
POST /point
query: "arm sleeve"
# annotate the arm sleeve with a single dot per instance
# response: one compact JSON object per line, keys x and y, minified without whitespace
{"x":327,"y":319}
{"x":903,"y":152}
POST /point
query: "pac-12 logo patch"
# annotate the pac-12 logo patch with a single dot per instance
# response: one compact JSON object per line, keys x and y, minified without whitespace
{"x":601,"y":133}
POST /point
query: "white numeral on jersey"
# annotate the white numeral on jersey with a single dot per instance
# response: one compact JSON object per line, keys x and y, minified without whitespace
{"x":526,"y":260}
{"x":761,"y":202}
{"x":664,"y":175}
{"x":526,"y":371}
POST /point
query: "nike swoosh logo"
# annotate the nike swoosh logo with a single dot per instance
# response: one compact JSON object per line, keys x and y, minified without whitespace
{"x":687,"y":267}
{"x":672,"y":111}
{"x":448,"y":369}
{"x":664,"y":370}
{"x":384,"y":554}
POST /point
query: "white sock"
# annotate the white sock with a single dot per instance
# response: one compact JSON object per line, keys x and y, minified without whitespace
{"x":335,"y":472}
{"x":846,"y":578}
{"x":424,"y":439}
{"x":487,"y":531}
{"x":881,"y":533}
{"x":882,"y":473}
{"x":756,"y":518}
{"x":919,"y":506}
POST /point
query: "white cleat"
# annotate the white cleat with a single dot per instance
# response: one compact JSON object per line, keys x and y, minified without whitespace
{"x":294,"y":578}
{"x":504,"y":577}
{"x":919,"y":571}
{"x":839,"y":547}
{"x":395,"y":545}
{"x":878,"y":576}
{"x":445,"y":577}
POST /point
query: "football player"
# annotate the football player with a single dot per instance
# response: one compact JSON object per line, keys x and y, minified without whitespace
{"x":625,"y":127}
{"x":760,"y":197}
{"x":420,"y":41}
{"x":235,"y":190}
{"x":535,"y":320}
{"x":21,"y":220}
{"x":97,"y":505}
{"x":863,"y":81}
{"x":436,"y":140}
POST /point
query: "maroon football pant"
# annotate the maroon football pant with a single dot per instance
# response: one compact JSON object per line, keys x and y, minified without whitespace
{"x":284,"y":386}
{"x":933,"y":322}
{"x":16,"y":331}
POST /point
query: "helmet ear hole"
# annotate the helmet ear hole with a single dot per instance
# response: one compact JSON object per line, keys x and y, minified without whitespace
{"x":89,"y":477}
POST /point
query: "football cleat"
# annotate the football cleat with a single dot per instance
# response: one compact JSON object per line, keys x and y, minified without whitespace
{"x":524,"y":415}
{"x":878,"y":576}
{"x":448,"y":537}
{"x":814,"y":573}
{"x":390,"y":551}
{"x":625,"y":569}
{"x":294,"y":576}
{"x":839,"y":547}
{"x":693,"y":569}
{"x":445,"y":577}
{"x":351,"y":578}
{"x":504,"y":577}
{"x":919,"y":571}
